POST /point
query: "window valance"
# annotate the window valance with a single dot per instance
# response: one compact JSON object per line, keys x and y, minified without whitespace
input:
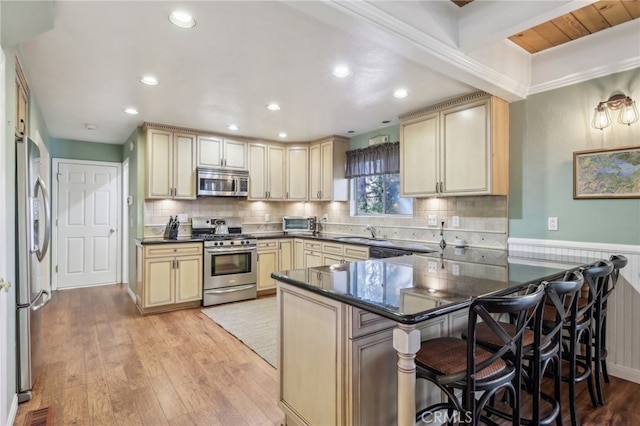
{"x":378,"y":159}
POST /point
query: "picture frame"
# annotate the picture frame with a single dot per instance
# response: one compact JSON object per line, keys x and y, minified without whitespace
{"x":607,"y":173}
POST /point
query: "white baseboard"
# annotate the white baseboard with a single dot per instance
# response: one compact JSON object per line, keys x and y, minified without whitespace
{"x":131,"y":294}
{"x":624,"y":373}
{"x":13,"y":410}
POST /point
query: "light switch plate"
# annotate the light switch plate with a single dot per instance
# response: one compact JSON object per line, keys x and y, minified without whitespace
{"x":552,"y":224}
{"x":455,"y":269}
{"x":455,"y":221}
{"x":432,"y":220}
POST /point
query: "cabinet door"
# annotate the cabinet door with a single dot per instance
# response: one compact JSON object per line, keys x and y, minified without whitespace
{"x":297,"y":171}
{"x":326,"y":173}
{"x":419,"y":156}
{"x":267,"y":263}
{"x":286,"y":255}
{"x":257,"y":171}
{"x":331,"y":259}
{"x":315,"y":172}
{"x":209,"y":151}
{"x":184,"y":166}
{"x":188,"y":278}
{"x":159,"y":176}
{"x":312,"y":259}
{"x":355,"y":253}
{"x":465,"y":149}
{"x":276,"y":172}
{"x":298,"y":254}
{"x":159,"y":281}
{"x":235,"y":155}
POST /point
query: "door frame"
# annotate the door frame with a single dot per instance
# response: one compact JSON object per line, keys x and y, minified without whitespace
{"x":55,"y":210}
{"x":124,"y":277}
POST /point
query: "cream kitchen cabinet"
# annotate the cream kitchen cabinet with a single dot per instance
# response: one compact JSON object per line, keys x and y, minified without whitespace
{"x":317,"y":253}
{"x":169,"y":276}
{"x":267,"y":172}
{"x":297,"y":173}
{"x":298,"y":253}
{"x":216,"y":151}
{"x":327,"y":161}
{"x":22,"y":103}
{"x":459,"y":147}
{"x":171,"y":164}
{"x":273,"y":255}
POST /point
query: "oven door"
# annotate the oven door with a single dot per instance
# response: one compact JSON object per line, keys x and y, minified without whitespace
{"x":229,"y":267}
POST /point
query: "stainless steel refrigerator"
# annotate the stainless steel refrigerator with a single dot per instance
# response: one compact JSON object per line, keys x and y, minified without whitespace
{"x":33,"y":217}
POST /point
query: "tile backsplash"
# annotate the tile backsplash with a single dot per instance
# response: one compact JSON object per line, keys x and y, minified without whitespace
{"x":482,"y":220}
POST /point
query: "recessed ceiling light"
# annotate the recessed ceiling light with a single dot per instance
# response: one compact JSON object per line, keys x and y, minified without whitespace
{"x":401,"y":93}
{"x":351,"y":131}
{"x":131,"y":111}
{"x":282,"y":134}
{"x":232,"y":127}
{"x":90,"y":126}
{"x":342,"y":71}
{"x":149,"y":80}
{"x":273,"y":107}
{"x":386,"y":122}
{"x":182,"y":19}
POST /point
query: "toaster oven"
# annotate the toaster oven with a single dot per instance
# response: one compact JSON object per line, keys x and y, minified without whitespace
{"x":299,"y":224}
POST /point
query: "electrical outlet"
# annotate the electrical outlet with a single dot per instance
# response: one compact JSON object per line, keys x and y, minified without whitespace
{"x":455,"y":269}
{"x":183,"y":218}
{"x":432,"y":266}
{"x":267,"y":217}
{"x":552,"y":224}
{"x":325,"y":217}
{"x":432,"y":220}
{"x":455,"y":221}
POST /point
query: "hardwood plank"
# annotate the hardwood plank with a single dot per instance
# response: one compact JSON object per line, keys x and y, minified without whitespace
{"x":76,"y":408}
{"x":633,"y":7}
{"x":591,"y":18}
{"x":613,"y":12}
{"x":550,"y":32}
{"x":569,"y":25}
{"x":99,"y":402}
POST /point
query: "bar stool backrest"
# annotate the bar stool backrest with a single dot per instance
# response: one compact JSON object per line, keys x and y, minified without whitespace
{"x":596,"y":277}
{"x":563,"y":295}
{"x":619,"y":261}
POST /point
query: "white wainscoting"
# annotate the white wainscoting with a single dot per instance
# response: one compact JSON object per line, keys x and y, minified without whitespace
{"x":623,"y":317}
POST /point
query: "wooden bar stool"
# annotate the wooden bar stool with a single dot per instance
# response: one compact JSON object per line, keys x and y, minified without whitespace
{"x":457,"y":364}
{"x":600,"y":325}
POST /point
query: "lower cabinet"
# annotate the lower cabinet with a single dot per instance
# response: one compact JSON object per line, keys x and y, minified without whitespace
{"x":317,"y":253}
{"x":273,"y":255}
{"x":169,"y":276}
{"x":337,"y":363}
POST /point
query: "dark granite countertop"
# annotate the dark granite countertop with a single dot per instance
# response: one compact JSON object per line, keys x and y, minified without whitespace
{"x":412,"y":289}
{"x":161,"y":240}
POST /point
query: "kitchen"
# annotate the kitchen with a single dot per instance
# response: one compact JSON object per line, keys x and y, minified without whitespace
{"x":540,"y":183}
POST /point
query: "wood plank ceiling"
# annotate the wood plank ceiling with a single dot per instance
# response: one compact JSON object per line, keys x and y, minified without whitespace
{"x":579,"y":23}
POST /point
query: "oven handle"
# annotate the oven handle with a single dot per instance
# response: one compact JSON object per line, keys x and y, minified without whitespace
{"x":230,"y":289}
{"x":230,"y":250}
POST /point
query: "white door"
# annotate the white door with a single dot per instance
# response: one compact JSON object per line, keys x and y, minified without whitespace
{"x":87,"y":223}
{"x":5,"y":297}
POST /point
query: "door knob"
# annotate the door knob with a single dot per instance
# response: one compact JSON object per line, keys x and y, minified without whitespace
{"x":111,"y":231}
{"x":4,"y":285}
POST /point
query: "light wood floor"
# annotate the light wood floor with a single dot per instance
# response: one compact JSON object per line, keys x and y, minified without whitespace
{"x":108,"y":365}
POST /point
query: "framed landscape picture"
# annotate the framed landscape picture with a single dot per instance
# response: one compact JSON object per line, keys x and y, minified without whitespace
{"x":608,"y":173}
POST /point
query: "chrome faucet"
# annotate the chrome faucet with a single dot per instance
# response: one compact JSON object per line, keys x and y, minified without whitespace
{"x":372,"y":229}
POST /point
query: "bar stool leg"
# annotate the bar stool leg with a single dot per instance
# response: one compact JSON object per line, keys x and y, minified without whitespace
{"x":572,"y":377}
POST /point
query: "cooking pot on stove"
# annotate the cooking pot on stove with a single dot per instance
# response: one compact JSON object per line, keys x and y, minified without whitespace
{"x":221,"y":227}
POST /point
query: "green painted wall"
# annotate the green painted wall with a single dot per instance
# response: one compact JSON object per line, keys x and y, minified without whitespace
{"x":545,"y":130}
{"x":362,"y":141}
{"x":82,"y":150}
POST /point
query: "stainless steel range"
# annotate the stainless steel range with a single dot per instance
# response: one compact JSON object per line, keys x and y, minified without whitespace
{"x":230,"y":260}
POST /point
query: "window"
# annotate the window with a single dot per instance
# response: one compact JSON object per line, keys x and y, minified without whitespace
{"x":374,"y":173}
{"x":380,"y":195}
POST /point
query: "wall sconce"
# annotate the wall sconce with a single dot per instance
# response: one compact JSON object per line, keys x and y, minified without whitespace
{"x":628,"y":112}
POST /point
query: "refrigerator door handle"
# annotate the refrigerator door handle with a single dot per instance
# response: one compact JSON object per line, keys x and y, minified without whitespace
{"x":42,"y":251}
{"x":41,"y":305}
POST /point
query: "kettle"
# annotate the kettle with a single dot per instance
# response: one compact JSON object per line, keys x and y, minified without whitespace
{"x":221,"y":227}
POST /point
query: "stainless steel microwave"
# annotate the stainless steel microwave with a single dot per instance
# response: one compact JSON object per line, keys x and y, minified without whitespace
{"x":222,"y":183}
{"x":299,"y":224}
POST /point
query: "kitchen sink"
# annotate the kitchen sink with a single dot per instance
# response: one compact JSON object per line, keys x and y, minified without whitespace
{"x":381,"y":242}
{"x":362,"y":240}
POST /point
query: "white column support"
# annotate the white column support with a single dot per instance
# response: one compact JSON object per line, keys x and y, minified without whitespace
{"x":406,"y":341}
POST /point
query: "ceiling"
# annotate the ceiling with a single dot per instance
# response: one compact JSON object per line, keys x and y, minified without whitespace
{"x":84,"y":60}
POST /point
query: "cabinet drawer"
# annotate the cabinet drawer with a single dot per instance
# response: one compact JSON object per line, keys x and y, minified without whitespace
{"x":364,"y":322}
{"x":356,"y":252}
{"x":160,"y":250}
{"x":267,"y":245}
{"x":313,"y":245}
{"x":332,"y":248}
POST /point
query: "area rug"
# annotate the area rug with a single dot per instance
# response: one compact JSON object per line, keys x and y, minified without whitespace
{"x":252,"y":322}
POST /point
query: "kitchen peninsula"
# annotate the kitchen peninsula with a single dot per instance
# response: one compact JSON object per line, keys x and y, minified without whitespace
{"x":348,"y":333}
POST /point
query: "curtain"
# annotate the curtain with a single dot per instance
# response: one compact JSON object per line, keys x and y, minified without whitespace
{"x":378,"y":159}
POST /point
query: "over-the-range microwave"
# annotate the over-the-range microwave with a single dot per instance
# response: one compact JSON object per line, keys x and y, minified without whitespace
{"x":222,"y":183}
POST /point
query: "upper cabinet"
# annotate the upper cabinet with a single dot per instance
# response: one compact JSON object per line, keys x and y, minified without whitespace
{"x":278,"y":172}
{"x":327,"y":161}
{"x":171,"y":164}
{"x":215,"y":151}
{"x":459,"y":147}
{"x":22,"y":102}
